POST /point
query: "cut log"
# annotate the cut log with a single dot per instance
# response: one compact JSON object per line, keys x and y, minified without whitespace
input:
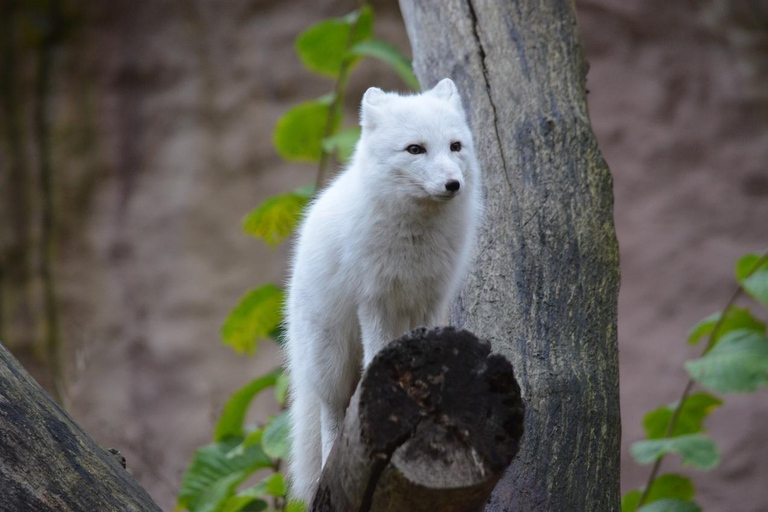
{"x":433,"y":424}
{"x":48,"y":462}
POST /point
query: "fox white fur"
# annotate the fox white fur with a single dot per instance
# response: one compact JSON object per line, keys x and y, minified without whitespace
{"x":381,"y":251}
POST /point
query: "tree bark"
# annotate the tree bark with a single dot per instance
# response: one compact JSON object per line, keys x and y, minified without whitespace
{"x":49,"y":463}
{"x":544,"y":286}
{"x":433,"y":424}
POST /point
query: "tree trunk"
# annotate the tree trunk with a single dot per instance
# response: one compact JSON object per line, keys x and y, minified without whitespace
{"x":544,"y":286}
{"x":432,"y":426}
{"x":49,"y":463}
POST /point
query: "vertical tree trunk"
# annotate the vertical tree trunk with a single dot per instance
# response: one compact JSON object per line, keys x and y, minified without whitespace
{"x":545,"y":283}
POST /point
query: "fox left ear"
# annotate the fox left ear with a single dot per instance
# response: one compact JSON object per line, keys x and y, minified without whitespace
{"x":446,"y":90}
{"x":370,"y":107}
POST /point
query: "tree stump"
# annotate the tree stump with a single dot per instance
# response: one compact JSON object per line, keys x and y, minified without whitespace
{"x":433,"y":424}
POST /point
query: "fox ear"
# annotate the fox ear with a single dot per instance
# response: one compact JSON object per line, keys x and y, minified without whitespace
{"x":446,"y":90}
{"x":370,"y":108}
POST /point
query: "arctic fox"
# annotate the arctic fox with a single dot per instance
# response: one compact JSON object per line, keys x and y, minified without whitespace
{"x":381,"y":251}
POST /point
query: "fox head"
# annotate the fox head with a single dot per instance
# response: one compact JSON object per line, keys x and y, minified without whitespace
{"x":419,"y":145}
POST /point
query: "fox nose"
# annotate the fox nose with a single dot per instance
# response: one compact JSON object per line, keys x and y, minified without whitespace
{"x":452,"y":185}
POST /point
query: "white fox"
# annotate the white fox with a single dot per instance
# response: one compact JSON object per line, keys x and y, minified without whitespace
{"x":381,"y":251}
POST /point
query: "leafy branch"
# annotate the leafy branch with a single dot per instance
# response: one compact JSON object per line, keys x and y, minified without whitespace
{"x":308,"y":132}
{"x":735,"y":359}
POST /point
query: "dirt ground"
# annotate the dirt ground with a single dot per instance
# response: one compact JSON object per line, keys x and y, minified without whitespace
{"x":163,"y":114}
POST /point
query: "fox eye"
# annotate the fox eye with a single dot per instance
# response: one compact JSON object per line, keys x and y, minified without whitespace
{"x":456,"y":146}
{"x":415,"y":149}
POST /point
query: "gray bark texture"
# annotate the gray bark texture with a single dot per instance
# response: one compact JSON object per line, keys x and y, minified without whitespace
{"x":49,"y":463}
{"x":433,"y":424}
{"x":544,"y":286}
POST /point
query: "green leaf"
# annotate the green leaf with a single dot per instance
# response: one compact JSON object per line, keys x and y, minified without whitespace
{"x":695,"y":409}
{"x":211,"y":478}
{"x":738,"y":363}
{"x":323,"y":47}
{"x":295,"y":506}
{"x":275,"y":439}
{"x":343,"y":144}
{"x":664,"y":487}
{"x":258,"y":314}
{"x":281,"y":388}
{"x":630,"y":500}
{"x":298,"y":135}
{"x":389,"y":54}
{"x":277,"y":216}
{"x":242,"y":500}
{"x":752,"y":275}
{"x":737,"y":318}
{"x":232,"y":419}
{"x":671,"y":505}
{"x":273,"y":485}
{"x":696,"y":450}
{"x":253,"y":438}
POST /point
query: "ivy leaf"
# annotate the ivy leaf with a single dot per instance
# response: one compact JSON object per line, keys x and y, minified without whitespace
{"x":231,"y":422}
{"x":298,"y":135}
{"x":256,"y":316}
{"x":281,"y":388}
{"x":212,"y":477}
{"x":737,"y":318}
{"x":343,"y":143}
{"x":696,"y":450}
{"x":738,"y":363}
{"x":671,"y":505}
{"x":275,"y":439}
{"x":668,"y":486}
{"x":695,"y":409}
{"x":753,"y":279}
{"x":323,"y":47}
{"x":277,"y":216}
{"x":389,"y":54}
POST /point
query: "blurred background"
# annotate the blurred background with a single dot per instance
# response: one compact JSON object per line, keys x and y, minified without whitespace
{"x":154,"y":120}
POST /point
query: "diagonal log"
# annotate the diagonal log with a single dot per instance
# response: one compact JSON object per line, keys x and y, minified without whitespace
{"x":433,"y":424}
{"x":48,"y":463}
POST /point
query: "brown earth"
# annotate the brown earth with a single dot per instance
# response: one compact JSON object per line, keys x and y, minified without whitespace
{"x":162,"y":118}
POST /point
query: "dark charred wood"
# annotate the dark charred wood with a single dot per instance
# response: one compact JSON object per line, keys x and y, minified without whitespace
{"x":433,"y":424}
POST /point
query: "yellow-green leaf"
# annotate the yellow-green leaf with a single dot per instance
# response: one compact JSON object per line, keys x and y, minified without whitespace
{"x":695,"y":409}
{"x":255,"y":317}
{"x":211,"y":477}
{"x":737,"y":364}
{"x":323,"y":47}
{"x":737,"y":318}
{"x":752,"y":274}
{"x":277,"y":216}
{"x":298,"y":135}
{"x":231,"y":424}
{"x":696,"y":450}
{"x":668,"y":486}
{"x":275,"y":440}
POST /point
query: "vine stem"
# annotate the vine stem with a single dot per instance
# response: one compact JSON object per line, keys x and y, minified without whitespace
{"x":336,"y":103}
{"x":690,"y":384}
